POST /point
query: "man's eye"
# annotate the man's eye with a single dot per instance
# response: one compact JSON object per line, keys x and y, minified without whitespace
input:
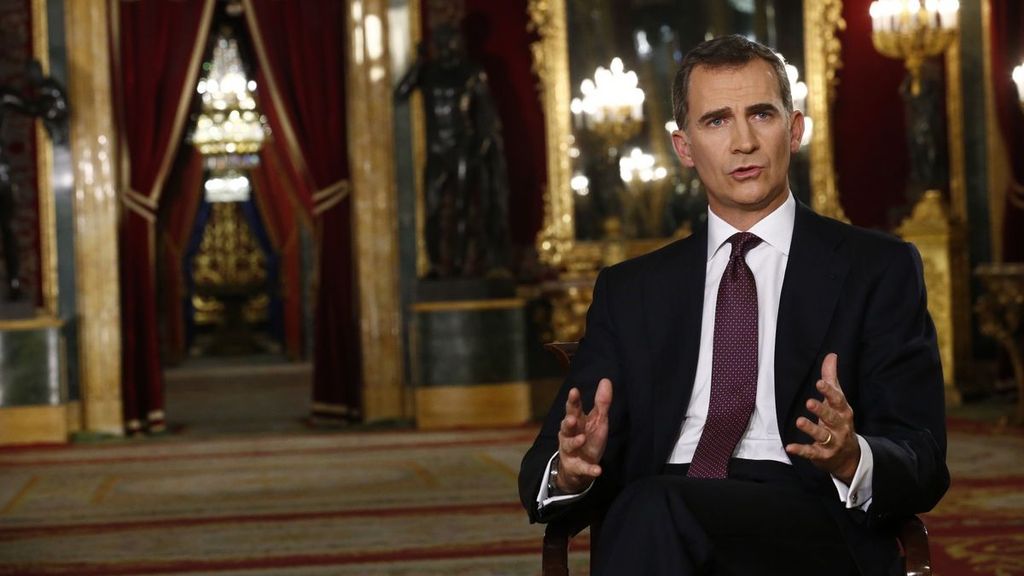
{"x":716,"y":122}
{"x":763,"y":115}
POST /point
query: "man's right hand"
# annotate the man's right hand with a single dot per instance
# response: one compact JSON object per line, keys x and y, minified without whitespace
{"x":582,"y":439}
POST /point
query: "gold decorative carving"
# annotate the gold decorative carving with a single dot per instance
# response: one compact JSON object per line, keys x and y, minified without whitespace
{"x":44,"y":172}
{"x":823,"y":20}
{"x":375,"y":214}
{"x":419,"y":149}
{"x":551,"y":64}
{"x":229,"y":260}
{"x":228,"y":252}
{"x":93,"y":150}
{"x":928,"y":227}
{"x":960,"y":267}
{"x":999,"y":310}
{"x":570,"y":300}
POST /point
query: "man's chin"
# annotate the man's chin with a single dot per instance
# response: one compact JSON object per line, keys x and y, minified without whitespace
{"x":750,"y":199}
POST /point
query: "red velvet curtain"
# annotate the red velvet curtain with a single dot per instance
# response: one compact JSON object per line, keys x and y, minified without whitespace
{"x":301,"y":47}
{"x":497,"y":37}
{"x":1007,"y":26}
{"x":158,"y":48}
{"x":177,"y":217}
{"x":872,"y":161}
{"x":274,"y":192}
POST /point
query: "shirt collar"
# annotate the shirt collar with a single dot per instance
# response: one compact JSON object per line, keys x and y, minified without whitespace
{"x":775,"y":229}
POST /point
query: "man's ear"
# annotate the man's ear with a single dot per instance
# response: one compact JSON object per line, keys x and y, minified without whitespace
{"x":681,"y":144}
{"x":796,"y":130}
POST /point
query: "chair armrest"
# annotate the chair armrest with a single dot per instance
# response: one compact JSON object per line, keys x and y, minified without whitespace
{"x":563,"y":352}
{"x":913,"y":537}
{"x":555,"y":557}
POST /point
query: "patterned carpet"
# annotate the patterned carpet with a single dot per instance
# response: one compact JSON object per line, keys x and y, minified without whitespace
{"x":371,"y":503}
{"x":978,"y":528}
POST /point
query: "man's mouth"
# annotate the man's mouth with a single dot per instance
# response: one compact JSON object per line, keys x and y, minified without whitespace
{"x":746,"y":172}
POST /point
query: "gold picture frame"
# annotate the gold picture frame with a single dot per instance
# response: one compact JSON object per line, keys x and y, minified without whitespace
{"x":556,"y":242}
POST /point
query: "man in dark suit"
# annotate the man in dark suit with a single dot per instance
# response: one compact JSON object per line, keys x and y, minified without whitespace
{"x":778,"y":400}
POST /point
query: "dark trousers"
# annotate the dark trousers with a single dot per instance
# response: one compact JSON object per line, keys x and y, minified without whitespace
{"x":759,"y":521}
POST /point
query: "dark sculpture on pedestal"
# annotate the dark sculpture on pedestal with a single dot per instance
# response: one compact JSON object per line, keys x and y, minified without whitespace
{"x":926,"y":136}
{"x":46,"y":99}
{"x":465,"y":179}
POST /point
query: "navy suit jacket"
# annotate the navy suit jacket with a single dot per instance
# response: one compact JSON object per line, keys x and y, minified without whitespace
{"x":846,"y":290}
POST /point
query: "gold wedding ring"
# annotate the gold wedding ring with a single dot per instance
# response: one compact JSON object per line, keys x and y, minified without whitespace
{"x":827,"y":440}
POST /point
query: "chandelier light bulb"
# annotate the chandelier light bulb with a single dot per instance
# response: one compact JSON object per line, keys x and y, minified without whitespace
{"x":1018,"y":79}
{"x":640,"y":166}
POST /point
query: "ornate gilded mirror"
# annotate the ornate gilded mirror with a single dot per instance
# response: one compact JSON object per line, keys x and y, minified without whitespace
{"x":615,"y":188}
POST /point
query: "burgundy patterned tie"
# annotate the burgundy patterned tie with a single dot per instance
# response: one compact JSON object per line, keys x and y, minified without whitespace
{"x":733,"y":364}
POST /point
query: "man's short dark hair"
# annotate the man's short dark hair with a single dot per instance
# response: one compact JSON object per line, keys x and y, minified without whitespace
{"x":731,"y":51}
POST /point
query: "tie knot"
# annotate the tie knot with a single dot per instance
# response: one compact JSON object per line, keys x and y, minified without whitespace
{"x":742,"y":242}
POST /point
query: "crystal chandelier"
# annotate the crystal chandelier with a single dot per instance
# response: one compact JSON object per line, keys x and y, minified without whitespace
{"x":229,"y":130}
{"x":612,"y":103}
{"x":229,"y":123}
{"x":912,"y":30}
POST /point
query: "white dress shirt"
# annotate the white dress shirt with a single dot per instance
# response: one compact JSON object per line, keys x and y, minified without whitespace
{"x":761,"y":440}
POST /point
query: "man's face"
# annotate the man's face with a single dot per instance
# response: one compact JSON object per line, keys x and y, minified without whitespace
{"x":739,"y":138}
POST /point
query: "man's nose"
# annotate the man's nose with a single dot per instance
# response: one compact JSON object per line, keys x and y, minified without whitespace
{"x":744,"y":141}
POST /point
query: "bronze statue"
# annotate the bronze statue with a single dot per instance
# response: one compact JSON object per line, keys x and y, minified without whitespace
{"x":925,"y":132}
{"x":465,"y":179}
{"x":47,"y":100}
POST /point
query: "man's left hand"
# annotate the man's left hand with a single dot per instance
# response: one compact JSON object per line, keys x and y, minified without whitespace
{"x":835,"y":449}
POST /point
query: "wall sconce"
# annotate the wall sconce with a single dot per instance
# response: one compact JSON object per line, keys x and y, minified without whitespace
{"x":913,"y":30}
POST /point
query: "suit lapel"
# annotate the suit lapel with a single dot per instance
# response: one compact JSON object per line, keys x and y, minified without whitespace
{"x":814,"y":277}
{"x":676,"y":299}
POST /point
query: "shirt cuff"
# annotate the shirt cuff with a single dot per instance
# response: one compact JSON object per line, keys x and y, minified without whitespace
{"x":542,"y":497}
{"x":858,"y":493}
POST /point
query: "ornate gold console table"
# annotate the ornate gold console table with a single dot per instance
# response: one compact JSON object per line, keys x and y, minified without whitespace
{"x":999,"y":310}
